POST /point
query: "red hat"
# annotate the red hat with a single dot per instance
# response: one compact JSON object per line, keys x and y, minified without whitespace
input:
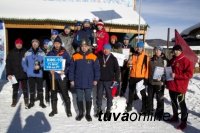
{"x":100,"y":23}
{"x":113,"y":37}
{"x":18,"y":41}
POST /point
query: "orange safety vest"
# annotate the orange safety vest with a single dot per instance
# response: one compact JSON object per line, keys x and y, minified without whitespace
{"x":140,"y":66}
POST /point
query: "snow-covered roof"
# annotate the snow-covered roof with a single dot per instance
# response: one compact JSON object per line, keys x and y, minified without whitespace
{"x":188,"y":30}
{"x":62,"y":10}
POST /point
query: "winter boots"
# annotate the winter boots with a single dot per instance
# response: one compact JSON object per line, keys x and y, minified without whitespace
{"x":14,"y":103}
{"x":98,"y":112}
{"x":80,"y":109}
{"x":26,"y":102}
{"x":54,"y":108}
{"x":68,"y":108}
{"x":88,"y":109}
{"x":42,"y":101}
{"x":182,"y":126}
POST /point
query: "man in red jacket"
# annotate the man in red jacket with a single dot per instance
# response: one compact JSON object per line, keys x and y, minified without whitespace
{"x":182,"y":72}
{"x":102,"y":37}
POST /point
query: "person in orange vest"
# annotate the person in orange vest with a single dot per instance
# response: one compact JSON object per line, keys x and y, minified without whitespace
{"x":139,"y":63}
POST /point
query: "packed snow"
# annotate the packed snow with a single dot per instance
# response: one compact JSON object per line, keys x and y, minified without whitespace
{"x":36,"y":119}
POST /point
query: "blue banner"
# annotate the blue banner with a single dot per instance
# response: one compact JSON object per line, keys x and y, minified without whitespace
{"x":53,"y":63}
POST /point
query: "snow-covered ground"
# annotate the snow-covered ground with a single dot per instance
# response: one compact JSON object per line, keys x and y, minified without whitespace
{"x":36,"y":119}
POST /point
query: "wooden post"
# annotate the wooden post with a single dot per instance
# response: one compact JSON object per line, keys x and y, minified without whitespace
{"x":53,"y":81}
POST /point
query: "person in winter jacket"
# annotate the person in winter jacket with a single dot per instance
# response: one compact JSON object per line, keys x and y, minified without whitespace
{"x":54,"y":34}
{"x":77,"y":27}
{"x":14,"y":68}
{"x":84,"y":72}
{"x":116,"y":46}
{"x":125,"y":69}
{"x":109,"y":71}
{"x":32,"y":64}
{"x":60,"y":84}
{"x":139,"y":63}
{"x":85,"y":33}
{"x":156,"y":85}
{"x":67,"y":39}
{"x":182,"y":72}
{"x":46,"y":48}
{"x":102,"y":38}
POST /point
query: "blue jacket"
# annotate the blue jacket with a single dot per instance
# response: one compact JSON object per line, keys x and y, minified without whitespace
{"x":85,"y":33}
{"x":62,"y":52}
{"x":84,"y":69}
{"x":28,"y":62}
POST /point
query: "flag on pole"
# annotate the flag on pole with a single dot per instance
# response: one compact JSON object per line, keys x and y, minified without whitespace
{"x":186,"y":49}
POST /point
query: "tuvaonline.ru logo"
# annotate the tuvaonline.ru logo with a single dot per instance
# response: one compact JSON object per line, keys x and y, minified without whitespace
{"x":133,"y":117}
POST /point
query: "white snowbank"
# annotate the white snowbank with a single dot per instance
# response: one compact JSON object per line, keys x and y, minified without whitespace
{"x":36,"y":119}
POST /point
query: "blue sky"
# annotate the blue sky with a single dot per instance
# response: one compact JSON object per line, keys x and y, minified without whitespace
{"x":173,"y":14}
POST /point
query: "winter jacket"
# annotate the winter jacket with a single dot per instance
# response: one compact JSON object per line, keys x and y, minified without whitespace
{"x":117,"y":47}
{"x":156,"y":62}
{"x":84,"y":69}
{"x":102,"y":39}
{"x":85,"y":33}
{"x":183,"y":69}
{"x":62,"y":52}
{"x":28,"y":62}
{"x":13,"y":63}
{"x":111,"y":72}
{"x":67,"y":42}
{"x":140,"y":66}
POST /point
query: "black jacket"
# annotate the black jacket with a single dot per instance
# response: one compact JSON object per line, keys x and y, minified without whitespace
{"x":111,"y":71}
{"x":13,"y":64}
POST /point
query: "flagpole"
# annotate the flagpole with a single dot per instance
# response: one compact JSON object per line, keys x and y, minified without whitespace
{"x":140,"y":5}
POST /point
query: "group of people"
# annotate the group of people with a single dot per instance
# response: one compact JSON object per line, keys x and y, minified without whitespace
{"x":89,"y":62}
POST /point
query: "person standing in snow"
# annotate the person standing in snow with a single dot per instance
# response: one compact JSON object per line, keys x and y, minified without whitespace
{"x":116,"y":46}
{"x":46,"y":49}
{"x":156,"y":85}
{"x":109,"y":71}
{"x":32,"y":64}
{"x":102,"y":38}
{"x":84,"y":72}
{"x":85,"y":33}
{"x":182,"y":72}
{"x":60,"y":84}
{"x":67,"y":40}
{"x":14,"y":68}
{"x":139,"y":71}
{"x":125,"y":69}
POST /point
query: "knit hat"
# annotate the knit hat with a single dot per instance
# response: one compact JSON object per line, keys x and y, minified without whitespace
{"x":140,"y":44}
{"x":67,"y":27}
{"x":85,"y":42}
{"x":46,"y":41}
{"x":54,"y":32}
{"x":18,"y":41}
{"x":177,"y":47}
{"x":35,"y":40}
{"x":57,"y":39}
{"x":78,"y":23}
{"x":86,"y":21}
{"x":158,"y":48}
{"x":113,"y":37}
{"x":107,"y":46}
{"x":126,"y":37}
{"x":100,"y":23}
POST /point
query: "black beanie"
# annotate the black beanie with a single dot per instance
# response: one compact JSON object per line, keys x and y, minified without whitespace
{"x":177,"y":47}
{"x":57,"y":39}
